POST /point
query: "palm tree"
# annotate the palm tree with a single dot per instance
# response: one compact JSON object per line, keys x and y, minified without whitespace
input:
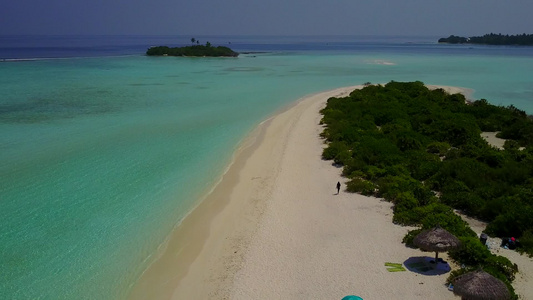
{"x":193,"y":40}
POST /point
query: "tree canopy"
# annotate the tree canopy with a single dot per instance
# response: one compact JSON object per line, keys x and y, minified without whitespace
{"x":194,"y":50}
{"x":491,"y":39}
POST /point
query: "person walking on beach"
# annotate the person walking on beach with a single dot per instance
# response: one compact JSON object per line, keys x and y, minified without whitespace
{"x":338,"y":187}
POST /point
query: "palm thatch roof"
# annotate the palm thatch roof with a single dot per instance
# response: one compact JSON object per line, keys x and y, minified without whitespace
{"x":480,"y":285}
{"x":436,"y":239}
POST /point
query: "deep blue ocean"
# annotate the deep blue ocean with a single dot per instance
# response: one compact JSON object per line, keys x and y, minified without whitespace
{"x":104,"y":150}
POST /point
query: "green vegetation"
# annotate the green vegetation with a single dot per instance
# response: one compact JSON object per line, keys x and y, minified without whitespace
{"x":453,"y":39}
{"x":422,"y":150}
{"x":194,"y":50}
{"x":491,"y":39}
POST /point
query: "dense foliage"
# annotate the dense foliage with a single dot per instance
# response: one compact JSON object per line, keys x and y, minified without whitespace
{"x":194,"y":50}
{"x":453,"y":39}
{"x":491,"y":39}
{"x":422,"y":150}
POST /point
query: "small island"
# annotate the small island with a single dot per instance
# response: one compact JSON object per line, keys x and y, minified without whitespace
{"x":192,"y":51}
{"x":491,"y":39}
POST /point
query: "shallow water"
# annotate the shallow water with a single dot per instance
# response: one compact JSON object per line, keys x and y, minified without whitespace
{"x":102,"y":156}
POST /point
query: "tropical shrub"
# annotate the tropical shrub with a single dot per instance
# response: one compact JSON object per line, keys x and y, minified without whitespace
{"x":359,"y":185}
{"x":408,"y":144}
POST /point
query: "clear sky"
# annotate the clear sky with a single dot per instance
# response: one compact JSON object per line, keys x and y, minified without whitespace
{"x":267,"y":17}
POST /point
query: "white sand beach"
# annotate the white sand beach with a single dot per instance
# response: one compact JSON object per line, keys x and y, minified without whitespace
{"x":453,"y":90}
{"x":274,"y":228}
{"x":493,"y":140}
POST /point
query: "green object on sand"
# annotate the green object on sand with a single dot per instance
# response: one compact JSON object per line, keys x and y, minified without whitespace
{"x":394,"y":267}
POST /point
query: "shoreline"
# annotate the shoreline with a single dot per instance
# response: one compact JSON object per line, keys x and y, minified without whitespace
{"x":194,"y":245}
{"x":194,"y":241}
{"x":273,"y":228}
{"x":467,"y":92}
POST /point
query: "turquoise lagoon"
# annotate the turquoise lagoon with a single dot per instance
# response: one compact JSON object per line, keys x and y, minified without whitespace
{"x":102,"y":156}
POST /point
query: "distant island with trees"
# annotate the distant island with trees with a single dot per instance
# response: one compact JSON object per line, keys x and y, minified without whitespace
{"x":491,"y":39}
{"x":197,"y":50}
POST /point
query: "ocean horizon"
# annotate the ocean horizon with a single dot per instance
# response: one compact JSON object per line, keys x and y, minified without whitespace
{"x":106,"y":150}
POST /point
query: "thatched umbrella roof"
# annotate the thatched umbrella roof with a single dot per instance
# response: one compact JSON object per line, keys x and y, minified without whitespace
{"x":437,"y":240}
{"x":480,"y":285}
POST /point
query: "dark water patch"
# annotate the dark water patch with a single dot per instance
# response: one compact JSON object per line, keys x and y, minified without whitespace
{"x":50,"y":108}
{"x":255,"y":52}
{"x":28,"y":113}
{"x":146,"y":84}
{"x":244,"y":69}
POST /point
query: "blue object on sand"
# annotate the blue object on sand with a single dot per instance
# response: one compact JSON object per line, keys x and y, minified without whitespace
{"x":352,"y":297}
